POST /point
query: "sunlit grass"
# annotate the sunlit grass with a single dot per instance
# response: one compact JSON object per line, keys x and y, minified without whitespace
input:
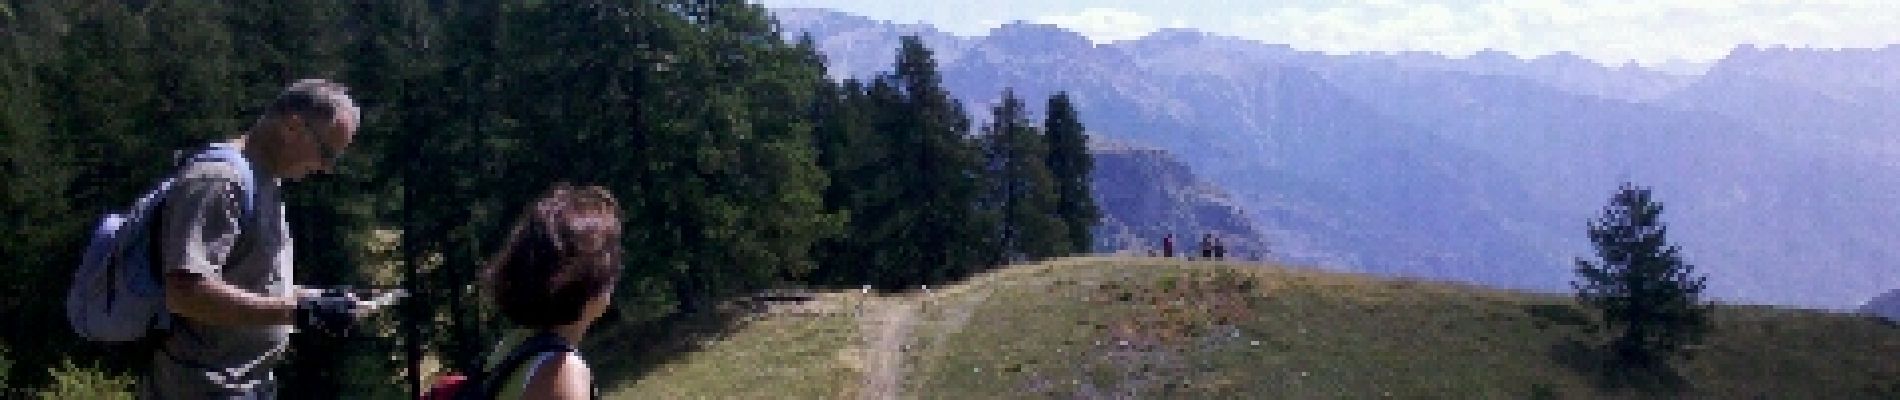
{"x":1157,"y":328}
{"x":1150,"y":328}
{"x":775,"y":357}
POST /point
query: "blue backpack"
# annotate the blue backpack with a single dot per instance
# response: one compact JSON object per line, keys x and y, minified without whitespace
{"x":117,"y":294}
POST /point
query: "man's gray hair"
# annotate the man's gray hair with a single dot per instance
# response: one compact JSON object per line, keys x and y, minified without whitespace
{"x":314,"y":101}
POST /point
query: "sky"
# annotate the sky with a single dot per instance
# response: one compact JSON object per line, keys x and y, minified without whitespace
{"x":1609,"y":31}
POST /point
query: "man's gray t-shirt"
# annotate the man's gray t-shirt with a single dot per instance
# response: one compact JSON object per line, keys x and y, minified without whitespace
{"x":203,"y":221}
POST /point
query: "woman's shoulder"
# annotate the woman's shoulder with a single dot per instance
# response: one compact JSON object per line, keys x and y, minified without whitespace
{"x":562,"y":376}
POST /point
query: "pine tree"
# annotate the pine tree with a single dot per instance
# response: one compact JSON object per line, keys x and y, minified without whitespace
{"x":1648,"y":296}
{"x":859,"y":192}
{"x":38,"y":225}
{"x":1071,"y":165}
{"x":871,"y":189}
{"x":938,"y":162}
{"x":1021,"y":187}
{"x":398,"y":70}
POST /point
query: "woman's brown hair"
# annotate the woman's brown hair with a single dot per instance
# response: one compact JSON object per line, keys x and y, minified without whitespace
{"x":564,"y":250}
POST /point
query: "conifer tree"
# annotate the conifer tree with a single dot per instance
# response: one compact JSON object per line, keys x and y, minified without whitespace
{"x":1070,"y":164}
{"x":37,"y":216}
{"x":860,"y":191}
{"x":938,"y":228}
{"x":1648,"y":296}
{"x":1021,"y":188}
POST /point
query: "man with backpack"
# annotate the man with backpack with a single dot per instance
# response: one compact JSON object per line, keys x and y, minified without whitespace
{"x":223,"y":252}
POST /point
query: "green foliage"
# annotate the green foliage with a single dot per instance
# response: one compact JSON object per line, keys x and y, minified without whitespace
{"x":73,"y":382}
{"x":37,"y":227}
{"x":1649,"y":298}
{"x":6,"y":365}
{"x":936,"y":162}
{"x":695,"y":114}
{"x":859,"y":192}
{"x":1070,"y":165}
{"x":1022,"y":192}
{"x":907,"y":179}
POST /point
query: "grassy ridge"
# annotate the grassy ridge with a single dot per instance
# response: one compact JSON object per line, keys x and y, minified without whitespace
{"x":1150,"y":328}
{"x":1159,"y":328}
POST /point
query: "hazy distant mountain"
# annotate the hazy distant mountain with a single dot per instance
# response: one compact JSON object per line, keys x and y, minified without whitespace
{"x":859,"y":46}
{"x":1845,"y":102}
{"x":1145,"y":194}
{"x":1562,"y":70}
{"x":1292,"y":148}
{"x":1840,"y":72}
{"x":1886,"y":306}
{"x":1565,"y":71}
{"x":1775,"y":217}
{"x":1486,"y":168}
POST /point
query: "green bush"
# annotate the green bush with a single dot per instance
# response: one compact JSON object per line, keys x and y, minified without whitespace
{"x":86,"y":383}
{"x":5,"y":365}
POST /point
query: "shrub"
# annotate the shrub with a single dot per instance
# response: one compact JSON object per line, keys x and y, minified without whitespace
{"x":75,"y":382}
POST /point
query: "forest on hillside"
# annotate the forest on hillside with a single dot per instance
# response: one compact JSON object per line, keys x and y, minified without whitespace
{"x":739,"y":165}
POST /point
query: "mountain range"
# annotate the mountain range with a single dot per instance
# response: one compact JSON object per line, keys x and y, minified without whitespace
{"x":1776,"y":166}
{"x":1148,"y":195}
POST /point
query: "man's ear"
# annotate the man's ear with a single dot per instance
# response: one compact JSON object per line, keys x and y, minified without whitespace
{"x":289,"y":122}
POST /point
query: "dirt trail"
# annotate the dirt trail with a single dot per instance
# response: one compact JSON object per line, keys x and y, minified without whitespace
{"x":889,"y":323}
{"x":886,"y":324}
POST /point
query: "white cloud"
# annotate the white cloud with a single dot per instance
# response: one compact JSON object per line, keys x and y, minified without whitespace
{"x":1608,"y":31}
{"x":1104,"y":25}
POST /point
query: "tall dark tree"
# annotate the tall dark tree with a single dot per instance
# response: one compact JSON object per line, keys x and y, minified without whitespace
{"x":1648,"y":296}
{"x":879,"y":212}
{"x":1022,"y":191}
{"x":1070,"y":164}
{"x":87,"y":143}
{"x":860,"y":192}
{"x":398,"y":76}
{"x":938,"y":162}
{"x":37,"y":218}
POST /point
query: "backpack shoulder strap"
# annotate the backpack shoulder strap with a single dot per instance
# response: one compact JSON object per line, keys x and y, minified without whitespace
{"x":247,"y":180}
{"x":495,"y":382}
{"x":247,"y":177}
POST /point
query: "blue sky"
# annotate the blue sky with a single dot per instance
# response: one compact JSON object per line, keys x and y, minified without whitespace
{"x":1609,"y":31}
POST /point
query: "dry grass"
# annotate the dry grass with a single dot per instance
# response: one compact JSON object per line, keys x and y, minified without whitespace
{"x":1150,"y":328}
{"x":1144,"y":328}
{"x":771,"y":356}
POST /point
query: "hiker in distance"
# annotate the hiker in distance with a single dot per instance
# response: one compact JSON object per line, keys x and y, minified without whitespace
{"x":225,"y":252}
{"x":1207,"y":246}
{"x":1220,"y":250}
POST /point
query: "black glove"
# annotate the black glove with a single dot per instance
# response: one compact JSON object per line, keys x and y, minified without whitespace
{"x":332,"y":312}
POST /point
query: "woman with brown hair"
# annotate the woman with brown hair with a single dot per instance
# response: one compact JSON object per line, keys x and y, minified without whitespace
{"x":552,"y":278}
